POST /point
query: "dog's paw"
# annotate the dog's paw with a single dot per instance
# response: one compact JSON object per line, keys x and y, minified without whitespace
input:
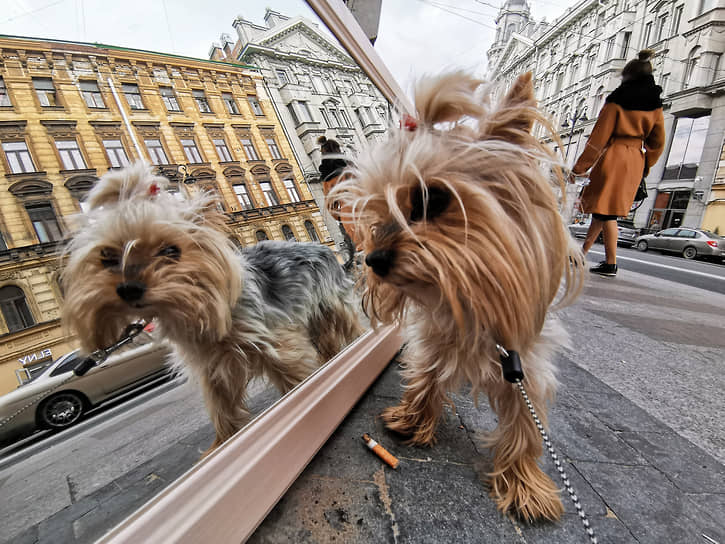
{"x":528,"y":494}
{"x":399,"y":420}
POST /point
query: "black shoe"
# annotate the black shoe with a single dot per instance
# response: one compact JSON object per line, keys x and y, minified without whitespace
{"x":604,"y":269}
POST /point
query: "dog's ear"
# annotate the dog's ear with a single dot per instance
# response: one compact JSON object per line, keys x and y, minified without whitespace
{"x":515,"y":114}
{"x":133,"y":181}
{"x":447,"y":98}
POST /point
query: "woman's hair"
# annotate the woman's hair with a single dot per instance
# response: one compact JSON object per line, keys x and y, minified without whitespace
{"x":639,"y":67}
{"x":328,"y":146}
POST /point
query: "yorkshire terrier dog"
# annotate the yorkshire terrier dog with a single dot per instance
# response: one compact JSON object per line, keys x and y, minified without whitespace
{"x":277,"y":309}
{"x":465,"y":247}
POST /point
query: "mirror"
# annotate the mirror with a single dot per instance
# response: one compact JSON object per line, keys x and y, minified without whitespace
{"x":70,"y":109}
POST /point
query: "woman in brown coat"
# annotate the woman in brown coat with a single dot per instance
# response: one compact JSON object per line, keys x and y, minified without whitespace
{"x":627,"y":139}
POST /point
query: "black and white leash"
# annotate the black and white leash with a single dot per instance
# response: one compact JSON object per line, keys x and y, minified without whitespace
{"x":512,"y":372}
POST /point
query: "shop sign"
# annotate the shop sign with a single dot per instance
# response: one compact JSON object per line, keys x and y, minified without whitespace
{"x":36,"y":357}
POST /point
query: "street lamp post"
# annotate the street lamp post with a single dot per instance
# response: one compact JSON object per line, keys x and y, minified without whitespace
{"x":578,"y":116}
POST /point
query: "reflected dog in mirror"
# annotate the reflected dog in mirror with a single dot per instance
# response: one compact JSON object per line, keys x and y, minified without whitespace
{"x":277,"y":309}
{"x":465,"y":246}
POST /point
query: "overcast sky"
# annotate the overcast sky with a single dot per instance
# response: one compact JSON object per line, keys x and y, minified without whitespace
{"x":415,"y":36}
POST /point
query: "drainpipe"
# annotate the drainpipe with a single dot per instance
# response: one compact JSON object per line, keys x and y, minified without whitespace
{"x":125,"y":119}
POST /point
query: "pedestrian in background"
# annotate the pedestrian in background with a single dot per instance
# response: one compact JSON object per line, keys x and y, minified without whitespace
{"x":627,"y":140}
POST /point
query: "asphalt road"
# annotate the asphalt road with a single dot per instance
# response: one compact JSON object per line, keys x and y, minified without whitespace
{"x":696,"y":273}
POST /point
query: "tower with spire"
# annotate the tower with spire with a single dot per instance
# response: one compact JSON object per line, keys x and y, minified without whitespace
{"x":513,"y":16}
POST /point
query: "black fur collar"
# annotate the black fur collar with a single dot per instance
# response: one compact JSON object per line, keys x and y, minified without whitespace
{"x":637,"y":94}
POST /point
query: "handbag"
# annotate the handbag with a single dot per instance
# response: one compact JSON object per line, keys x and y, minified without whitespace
{"x":641,"y":191}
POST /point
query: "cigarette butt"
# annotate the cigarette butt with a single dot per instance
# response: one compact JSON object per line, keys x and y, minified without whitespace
{"x":381,"y":452}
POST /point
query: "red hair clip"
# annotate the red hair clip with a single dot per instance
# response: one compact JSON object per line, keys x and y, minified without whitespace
{"x":153,"y":189}
{"x":408,"y":122}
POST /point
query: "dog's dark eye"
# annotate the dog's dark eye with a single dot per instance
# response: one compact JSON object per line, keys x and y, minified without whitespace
{"x":172,"y":252}
{"x":438,"y":200}
{"x":109,"y":258}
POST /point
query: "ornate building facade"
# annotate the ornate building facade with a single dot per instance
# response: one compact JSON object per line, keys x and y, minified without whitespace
{"x":71,"y":111}
{"x":314,"y":85}
{"x":577,"y":61}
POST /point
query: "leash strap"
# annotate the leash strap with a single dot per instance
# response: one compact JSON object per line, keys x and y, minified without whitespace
{"x":512,"y":372}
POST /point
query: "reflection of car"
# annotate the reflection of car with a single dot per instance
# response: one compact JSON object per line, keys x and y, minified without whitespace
{"x":626,"y":233}
{"x":690,"y":243}
{"x":140,"y":361}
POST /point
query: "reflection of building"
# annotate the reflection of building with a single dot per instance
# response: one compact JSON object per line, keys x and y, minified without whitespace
{"x":315,"y":86}
{"x":577,"y":60}
{"x":714,"y":219}
{"x":69,"y":112}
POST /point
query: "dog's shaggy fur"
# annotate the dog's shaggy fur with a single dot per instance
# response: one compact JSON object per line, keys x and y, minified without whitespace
{"x":278,"y":309}
{"x":465,"y":245}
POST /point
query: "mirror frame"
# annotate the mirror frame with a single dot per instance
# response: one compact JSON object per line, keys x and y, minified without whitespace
{"x":225,"y":496}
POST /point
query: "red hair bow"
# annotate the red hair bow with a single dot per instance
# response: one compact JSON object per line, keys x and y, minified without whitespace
{"x":408,"y":122}
{"x":153,"y":189}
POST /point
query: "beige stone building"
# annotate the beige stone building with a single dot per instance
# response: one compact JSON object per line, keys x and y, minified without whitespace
{"x":70,"y":111}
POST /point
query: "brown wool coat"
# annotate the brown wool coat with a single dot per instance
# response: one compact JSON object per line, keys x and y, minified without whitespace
{"x":617,"y":138}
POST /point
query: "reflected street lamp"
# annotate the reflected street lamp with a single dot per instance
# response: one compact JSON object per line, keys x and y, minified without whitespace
{"x":578,"y":116}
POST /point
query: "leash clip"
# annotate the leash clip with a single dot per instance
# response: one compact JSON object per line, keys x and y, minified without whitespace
{"x":511,"y":364}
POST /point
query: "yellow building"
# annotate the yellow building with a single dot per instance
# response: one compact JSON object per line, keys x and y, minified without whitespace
{"x":70,"y":111}
{"x":714,"y":218}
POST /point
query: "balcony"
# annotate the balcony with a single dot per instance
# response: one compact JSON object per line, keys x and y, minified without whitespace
{"x":23,"y":253}
{"x":269,"y":211}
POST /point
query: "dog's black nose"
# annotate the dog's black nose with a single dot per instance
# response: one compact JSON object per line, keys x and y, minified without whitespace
{"x":380,"y":261}
{"x":131,"y":291}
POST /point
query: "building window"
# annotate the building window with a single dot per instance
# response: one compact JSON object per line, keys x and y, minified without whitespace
{"x":311,"y":232}
{"x":707,"y":5}
{"x":690,"y":68}
{"x":15,"y":309}
{"x":169,"y":98}
{"x":269,"y":193}
{"x":4,"y":97}
{"x":201,"y":100}
{"x":230,"y":103}
{"x":156,"y":151}
{"x":345,"y":119}
{"x":661,"y":25}
{"x":292,"y":191}
{"x":610,"y":49}
{"x":626,"y":37}
{"x":306,"y":112}
{"x":44,"y":222}
{"x":240,"y":189}
{"x":598,"y":100}
{"x":333,"y":116}
{"x":273,"y":149}
{"x":293,"y":114}
{"x":647,"y":34}
{"x":288,"y":234}
{"x":191,"y":151}
{"x":133,"y":96}
{"x":326,"y":119}
{"x":261,"y":236}
{"x":249,"y":149}
{"x":92,"y":94}
{"x":18,"y":157}
{"x":282,"y":77}
{"x":685,"y":152}
{"x":70,"y":155}
{"x":45,"y":90}
{"x":676,"y":20}
{"x":222,"y":150}
{"x":256,"y":108}
{"x":116,"y":153}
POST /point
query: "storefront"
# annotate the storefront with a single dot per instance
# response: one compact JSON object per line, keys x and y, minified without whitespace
{"x":669,"y":209}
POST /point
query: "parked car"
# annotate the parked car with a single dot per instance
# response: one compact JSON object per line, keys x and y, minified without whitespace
{"x":626,"y":233}
{"x":139,"y":362}
{"x":690,"y":243}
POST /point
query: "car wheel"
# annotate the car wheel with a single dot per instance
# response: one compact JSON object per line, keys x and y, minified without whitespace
{"x":642,"y":245}
{"x":689,"y":252}
{"x":61,"y":410}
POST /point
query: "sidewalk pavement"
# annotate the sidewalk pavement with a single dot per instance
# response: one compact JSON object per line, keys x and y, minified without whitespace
{"x":637,"y":420}
{"x":641,"y":462}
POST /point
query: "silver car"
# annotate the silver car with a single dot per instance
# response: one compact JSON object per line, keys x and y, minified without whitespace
{"x":689,"y":243}
{"x":626,"y":233}
{"x":57,"y":398}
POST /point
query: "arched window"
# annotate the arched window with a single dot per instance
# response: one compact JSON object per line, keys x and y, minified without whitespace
{"x":311,"y":232}
{"x":692,"y":59}
{"x":598,"y":100}
{"x":288,"y":234}
{"x":15,"y":309}
{"x":261,"y":235}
